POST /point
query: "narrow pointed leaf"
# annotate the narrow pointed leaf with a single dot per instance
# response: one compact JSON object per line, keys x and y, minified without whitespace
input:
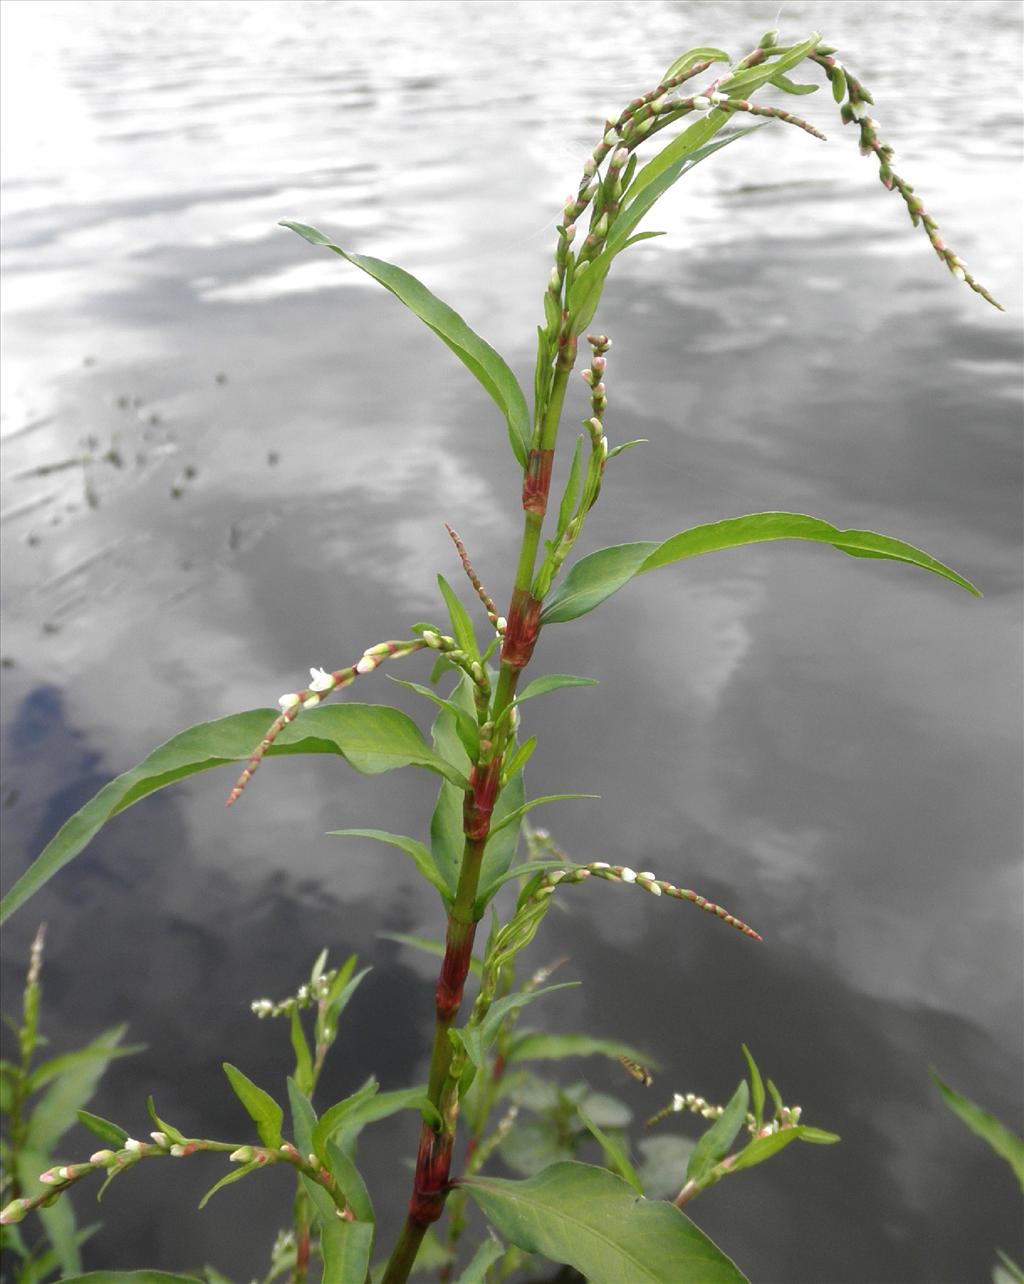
{"x":784,"y":83}
{"x":109,"y":1133}
{"x":345,"y":1248}
{"x":163,"y":1125}
{"x":613,"y":1150}
{"x":371,"y":1109}
{"x":419,"y":853}
{"x":437,"y":948}
{"x":466,"y":726}
{"x":47,"y":1071}
{"x":350,"y":1182}
{"x":762,"y":1148}
{"x":478,"y":1038}
{"x":750,"y":78}
{"x":541,"y":1046}
{"x":227,"y":1180}
{"x":479,"y":357}
{"x":526,"y":869}
{"x":129,"y":1277}
{"x":553,"y":682}
{"x":486,"y":1255}
{"x":596,"y":577}
{"x":57,"y":1109}
{"x":261,"y":1106}
{"x":571,"y":494}
{"x":513,"y":817}
{"x":756,"y":1086}
{"x":333,"y":1119}
{"x":703,"y":53}
{"x":715,"y":1143}
{"x":303,"y":1057}
{"x":593,"y":1221}
{"x":372,"y":739}
{"x":462,"y":625}
{"x":1004,"y":1142}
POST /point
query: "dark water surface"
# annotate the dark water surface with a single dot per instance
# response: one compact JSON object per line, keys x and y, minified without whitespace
{"x":263,"y":448}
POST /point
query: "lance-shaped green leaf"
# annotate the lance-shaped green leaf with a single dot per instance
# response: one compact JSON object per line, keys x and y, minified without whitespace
{"x":552,"y":682}
{"x":486,"y":1255}
{"x":350,"y":1182}
{"x":462,"y":625}
{"x":303,"y":1056}
{"x":513,"y":817}
{"x":111,"y":1134}
{"x":703,"y":53}
{"x":587,"y":288}
{"x":715,"y":1143}
{"x":614,"y":1151}
{"x":466,"y":726}
{"x":596,"y":577}
{"x":229,"y":1179}
{"x":371,"y":738}
{"x":334,"y":1118}
{"x":57,"y":1109}
{"x":538,"y":1045}
{"x":756,"y":1086}
{"x":985,"y":1125}
{"x":745,"y":82}
{"x":593,"y":1221}
{"x":479,"y":357}
{"x":762,"y":1148}
{"x":129,"y":1277}
{"x":478,"y":1038}
{"x":345,"y":1248}
{"x":791,"y":87}
{"x":421,"y":856}
{"x":101,"y":1050}
{"x":264,"y":1111}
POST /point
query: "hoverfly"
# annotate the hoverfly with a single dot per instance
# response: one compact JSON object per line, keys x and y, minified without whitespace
{"x":640,"y":1073}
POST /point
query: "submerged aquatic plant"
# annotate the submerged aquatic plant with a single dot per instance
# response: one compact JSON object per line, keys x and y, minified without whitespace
{"x":591,"y":1218}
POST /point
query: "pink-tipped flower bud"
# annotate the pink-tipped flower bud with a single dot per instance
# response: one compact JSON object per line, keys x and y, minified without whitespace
{"x":243,"y":1155}
{"x":161,"y":1139}
{"x":101,"y":1157}
{"x":14,"y":1212}
{"x":49,"y":1178}
{"x":589,"y":167}
{"x":367,"y":664}
{"x":588,"y":377}
{"x":570,"y":233}
{"x":619,"y":157}
{"x":599,"y":363}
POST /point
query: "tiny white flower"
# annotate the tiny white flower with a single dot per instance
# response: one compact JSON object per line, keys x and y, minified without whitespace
{"x":719,"y":98}
{"x":288,"y":701}
{"x":628,"y":875}
{"x":367,"y":664}
{"x":132,"y":1144}
{"x":262,"y":1007}
{"x":311,"y":702}
{"x":701,"y":102}
{"x":678,"y":1101}
{"x":320,"y":680}
{"x":858,"y":109}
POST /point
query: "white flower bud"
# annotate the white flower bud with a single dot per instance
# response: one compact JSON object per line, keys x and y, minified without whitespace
{"x":501,"y":625}
{"x":719,"y":98}
{"x":556,"y":875}
{"x":619,"y":157}
{"x":960,"y":274}
{"x":367,"y":664}
{"x":858,"y":109}
{"x":178,"y":1151}
{"x":161,"y":1139}
{"x":311,"y":702}
{"x":599,"y":864}
{"x":659,"y":104}
{"x":611,"y":138}
{"x":653,"y":888}
{"x":628,"y":875}
{"x":133,"y":1145}
{"x":101,"y":1157}
{"x":431,"y":638}
{"x":320,"y":680}
{"x":701,"y":103}
{"x":678,"y":1101}
{"x":288,"y":701}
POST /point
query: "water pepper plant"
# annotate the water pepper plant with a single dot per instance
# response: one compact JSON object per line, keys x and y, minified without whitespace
{"x":615,"y":1223}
